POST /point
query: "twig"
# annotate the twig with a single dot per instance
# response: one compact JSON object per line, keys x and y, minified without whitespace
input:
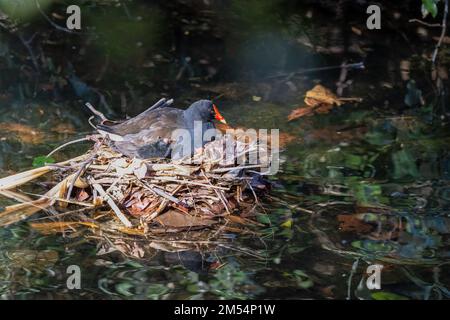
{"x":67,"y":144}
{"x":359,"y":65}
{"x":160,"y":193}
{"x":431,"y":25}
{"x":96,"y":112}
{"x":80,"y":203}
{"x":219,"y":194}
{"x":83,"y":167}
{"x":79,"y":173}
{"x":191,"y":182}
{"x":441,"y":38}
{"x":111,"y":203}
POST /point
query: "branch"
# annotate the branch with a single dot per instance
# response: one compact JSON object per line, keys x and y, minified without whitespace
{"x":66,"y":144}
{"x":441,"y":38}
{"x":431,"y":25}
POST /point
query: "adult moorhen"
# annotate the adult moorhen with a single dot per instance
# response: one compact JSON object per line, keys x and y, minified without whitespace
{"x":150,"y":134}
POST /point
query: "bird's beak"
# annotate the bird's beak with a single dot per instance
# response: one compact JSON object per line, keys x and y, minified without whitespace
{"x":218,"y":116}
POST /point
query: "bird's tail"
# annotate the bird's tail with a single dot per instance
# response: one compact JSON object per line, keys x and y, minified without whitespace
{"x":108,"y":131}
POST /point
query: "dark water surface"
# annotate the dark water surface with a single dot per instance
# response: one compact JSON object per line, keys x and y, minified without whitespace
{"x":364,"y":184}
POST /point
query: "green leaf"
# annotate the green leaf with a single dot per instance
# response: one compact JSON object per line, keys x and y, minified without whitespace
{"x":372,"y":246}
{"x":382,"y":295}
{"x":287,"y":223}
{"x":302,"y":279}
{"x":42,"y":160}
{"x":263,"y":218}
{"x":430,"y":7}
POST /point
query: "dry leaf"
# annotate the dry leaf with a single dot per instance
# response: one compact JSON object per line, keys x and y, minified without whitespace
{"x":82,"y":195}
{"x":175,"y":219}
{"x":319,"y":100}
{"x":59,"y":226}
{"x":320,"y":95}
{"x":353,"y":223}
{"x":300,"y":112}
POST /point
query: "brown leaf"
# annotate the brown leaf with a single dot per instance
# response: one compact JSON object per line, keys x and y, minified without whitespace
{"x":353,"y":223}
{"x":318,"y":100}
{"x":300,"y":112}
{"x":320,"y":95}
{"x":140,"y":202}
{"x":175,"y":219}
{"x":82,"y":195}
{"x":324,"y":108}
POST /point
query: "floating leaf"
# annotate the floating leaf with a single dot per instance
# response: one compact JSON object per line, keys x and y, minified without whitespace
{"x":318,"y":100}
{"x":382,"y":295}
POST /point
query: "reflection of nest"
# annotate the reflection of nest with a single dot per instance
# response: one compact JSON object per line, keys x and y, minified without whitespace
{"x":136,"y":206}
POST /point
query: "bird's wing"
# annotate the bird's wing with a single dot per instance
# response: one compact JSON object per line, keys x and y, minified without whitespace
{"x":156,"y":120}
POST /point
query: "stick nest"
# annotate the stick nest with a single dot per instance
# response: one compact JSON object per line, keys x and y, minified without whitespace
{"x":136,"y":206}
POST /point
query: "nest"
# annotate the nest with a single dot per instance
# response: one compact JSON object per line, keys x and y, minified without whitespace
{"x":136,"y":206}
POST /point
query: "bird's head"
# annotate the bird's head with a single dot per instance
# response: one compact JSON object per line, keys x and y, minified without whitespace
{"x":205,"y":110}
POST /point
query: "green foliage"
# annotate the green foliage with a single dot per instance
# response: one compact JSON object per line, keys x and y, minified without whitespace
{"x":404,"y":165}
{"x":302,"y":279}
{"x":228,"y":282}
{"x":22,"y":10}
{"x":41,"y":161}
{"x":429,"y":7}
{"x":368,"y":194}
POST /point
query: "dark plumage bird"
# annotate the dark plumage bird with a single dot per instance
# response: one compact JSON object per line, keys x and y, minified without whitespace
{"x":151,"y":133}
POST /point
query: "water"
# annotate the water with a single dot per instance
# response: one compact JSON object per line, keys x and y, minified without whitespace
{"x":365,"y":184}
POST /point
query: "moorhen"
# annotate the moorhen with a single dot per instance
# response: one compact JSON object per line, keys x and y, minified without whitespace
{"x":150,"y":134}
